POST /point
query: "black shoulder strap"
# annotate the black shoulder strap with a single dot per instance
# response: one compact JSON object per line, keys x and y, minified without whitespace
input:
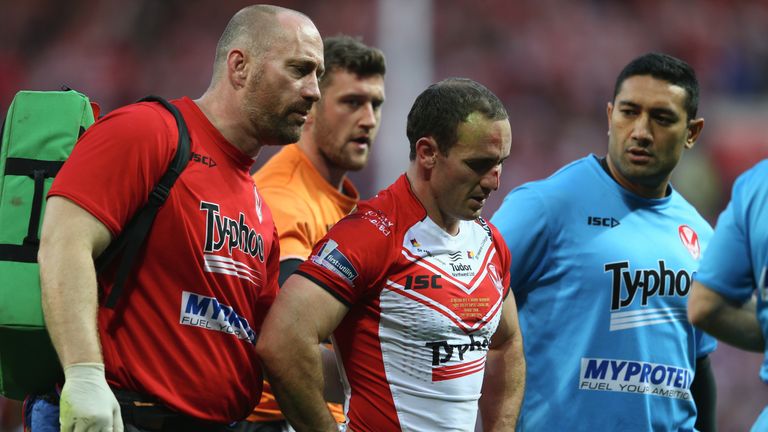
{"x":135,"y":232}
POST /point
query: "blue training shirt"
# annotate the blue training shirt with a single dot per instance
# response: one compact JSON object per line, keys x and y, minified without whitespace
{"x":601,"y":277}
{"x":736,"y":262}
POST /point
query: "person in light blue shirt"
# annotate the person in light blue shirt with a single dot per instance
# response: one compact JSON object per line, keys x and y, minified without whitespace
{"x":734,"y":268}
{"x":603,"y":253}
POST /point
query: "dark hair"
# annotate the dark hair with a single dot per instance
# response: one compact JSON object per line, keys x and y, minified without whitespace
{"x":667,"y":68}
{"x":440,"y":108}
{"x":351,"y":54}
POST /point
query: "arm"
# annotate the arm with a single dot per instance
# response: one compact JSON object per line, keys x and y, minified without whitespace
{"x":724,"y":319}
{"x":704,"y":393}
{"x":303,"y":315}
{"x":334,"y":390}
{"x":71,"y":238}
{"x":504,"y":380}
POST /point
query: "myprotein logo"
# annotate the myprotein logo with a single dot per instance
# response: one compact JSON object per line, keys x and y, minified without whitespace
{"x":223,"y":231}
{"x":207,"y":313}
{"x":448,"y":359}
{"x":629,"y":376}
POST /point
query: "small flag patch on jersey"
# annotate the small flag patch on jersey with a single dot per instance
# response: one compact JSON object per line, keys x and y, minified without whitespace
{"x":690,"y":240}
{"x":415,"y":243}
{"x":470,"y":254}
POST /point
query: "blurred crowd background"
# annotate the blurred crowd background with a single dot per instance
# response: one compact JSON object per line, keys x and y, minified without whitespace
{"x":552,"y":62}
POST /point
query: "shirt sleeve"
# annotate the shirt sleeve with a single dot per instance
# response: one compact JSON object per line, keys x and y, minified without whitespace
{"x":522,"y":220}
{"x":351,"y":260}
{"x":504,"y":258}
{"x":705,"y":344}
{"x":117,"y":162}
{"x":726,"y":266}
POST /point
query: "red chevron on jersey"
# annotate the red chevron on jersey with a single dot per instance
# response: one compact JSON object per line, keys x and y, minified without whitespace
{"x":459,"y":370}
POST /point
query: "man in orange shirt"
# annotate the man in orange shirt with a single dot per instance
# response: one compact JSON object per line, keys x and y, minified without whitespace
{"x":305,"y":184}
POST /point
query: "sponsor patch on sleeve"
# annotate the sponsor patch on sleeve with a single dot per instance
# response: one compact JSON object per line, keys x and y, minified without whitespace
{"x":331,"y":258}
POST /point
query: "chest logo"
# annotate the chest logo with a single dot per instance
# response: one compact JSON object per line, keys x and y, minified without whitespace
{"x":257,"y":199}
{"x":690,"y":240}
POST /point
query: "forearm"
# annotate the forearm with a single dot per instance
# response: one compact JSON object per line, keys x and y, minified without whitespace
{"x":503,"y":386}
{"x":299,"y":389}
{"x":738,"y":327}
{"x":333,"y":390}
{"x":732,"y":323}
{"x":69,"y":299}
{"x":294,"y":369}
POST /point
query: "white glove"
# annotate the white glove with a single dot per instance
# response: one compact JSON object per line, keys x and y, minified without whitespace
{"x":87,"y":403}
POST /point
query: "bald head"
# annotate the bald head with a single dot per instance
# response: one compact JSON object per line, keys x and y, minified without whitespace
{"x":253,"y":29}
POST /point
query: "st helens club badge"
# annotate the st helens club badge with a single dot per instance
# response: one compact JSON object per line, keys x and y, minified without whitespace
{"x":690,"y":240}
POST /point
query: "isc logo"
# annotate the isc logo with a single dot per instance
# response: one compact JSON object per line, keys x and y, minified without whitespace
{"x":602,"y":221}
{"x":422,"y":282}
{"x":205,"y":160}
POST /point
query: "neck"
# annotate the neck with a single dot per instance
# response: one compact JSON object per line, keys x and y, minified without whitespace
{"x":334,"y":176}
{"x":420,"y":185}
{"x":654,"y":191}
{"x":228,"y":121}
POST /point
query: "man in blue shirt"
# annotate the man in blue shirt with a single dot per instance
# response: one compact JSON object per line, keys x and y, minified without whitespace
{"x":602,"y":257}
{"x":734,"y":267}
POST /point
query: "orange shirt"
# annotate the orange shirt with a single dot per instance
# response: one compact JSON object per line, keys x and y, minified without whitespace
{"x":304,"y":206}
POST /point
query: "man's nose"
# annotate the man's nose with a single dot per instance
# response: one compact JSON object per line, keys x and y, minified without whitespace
{"x":368,"y":117}
{"x":641,"y":130}
{"x":492,"y":179}
{"x":311,"y":88}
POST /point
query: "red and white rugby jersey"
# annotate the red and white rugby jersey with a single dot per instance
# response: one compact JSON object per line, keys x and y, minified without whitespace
{"x":423,"y":307}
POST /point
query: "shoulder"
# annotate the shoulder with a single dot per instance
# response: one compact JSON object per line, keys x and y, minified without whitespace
{"x":560,"y":187}
{"x":753,"y":183}
{"x":286,"y":173}
{"x":134,"y":127}
{"x":396,"y":206}
{"x":150,"y":114}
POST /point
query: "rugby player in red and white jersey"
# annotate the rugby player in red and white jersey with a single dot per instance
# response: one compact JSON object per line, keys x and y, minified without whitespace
{"x":414,"y":288}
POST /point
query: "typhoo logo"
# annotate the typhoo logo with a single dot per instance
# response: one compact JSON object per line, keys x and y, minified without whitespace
{"x":443,"y":352}
{"x":235,"y":234}
{"x":646,"y":282}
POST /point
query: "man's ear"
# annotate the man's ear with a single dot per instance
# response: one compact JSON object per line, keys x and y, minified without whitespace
{"x":694,"y":130}
{"x":426,"y":152}
{"x":237,"y":68}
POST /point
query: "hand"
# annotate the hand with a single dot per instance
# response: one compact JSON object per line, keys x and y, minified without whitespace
{"x":87,"y":402}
